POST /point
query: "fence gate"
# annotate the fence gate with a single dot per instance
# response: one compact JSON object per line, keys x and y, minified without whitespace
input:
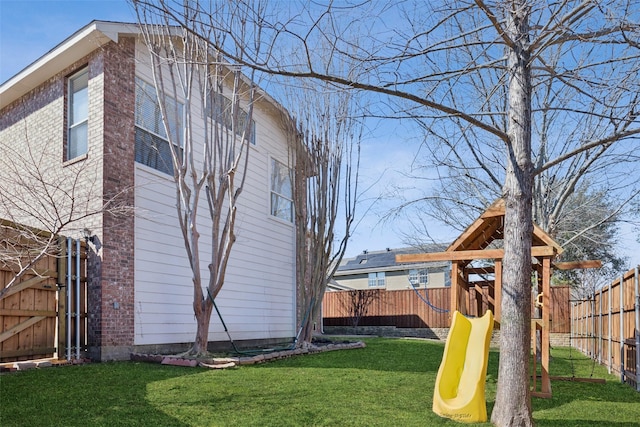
{"x":45,"y":314}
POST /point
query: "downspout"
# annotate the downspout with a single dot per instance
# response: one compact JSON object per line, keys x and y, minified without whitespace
{"x":77,"y":299}
{"x":68,"y":322}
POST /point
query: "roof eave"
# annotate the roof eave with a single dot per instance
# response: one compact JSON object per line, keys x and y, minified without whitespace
{"x":74,"y":48}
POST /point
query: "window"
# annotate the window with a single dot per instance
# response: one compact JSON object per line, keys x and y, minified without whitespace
{"x":377,"y":280}
{"x":78,"y":114}
{"x":419,"y":277}
{"x":281,"y":191}
{"x":152,"y":143}
{"x":220,"y":111}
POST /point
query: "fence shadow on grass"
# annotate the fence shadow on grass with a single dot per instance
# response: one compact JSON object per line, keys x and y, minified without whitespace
{"x":105,"y":394}
{"x":609,"y":404}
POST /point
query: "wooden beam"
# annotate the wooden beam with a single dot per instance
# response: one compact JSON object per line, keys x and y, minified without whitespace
{"x":573,"y":265}
{"x":546,"y":239}
{"x":496,"y":209}
{"x":497,"y":293}
{"x":481,"y":270}
{"x":546,"y":325}
{"x":455,"y":278}
{"x":469,"y":255}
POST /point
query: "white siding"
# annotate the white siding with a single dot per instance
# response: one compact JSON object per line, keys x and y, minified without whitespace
{"x":258,"y":298}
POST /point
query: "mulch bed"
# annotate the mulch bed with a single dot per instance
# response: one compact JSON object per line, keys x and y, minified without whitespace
{"x":231,"y":362}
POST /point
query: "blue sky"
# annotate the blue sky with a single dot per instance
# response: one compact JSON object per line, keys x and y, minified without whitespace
{"x":30,"y":28}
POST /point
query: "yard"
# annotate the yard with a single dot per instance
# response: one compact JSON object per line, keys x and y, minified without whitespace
{"x":388,"y":383}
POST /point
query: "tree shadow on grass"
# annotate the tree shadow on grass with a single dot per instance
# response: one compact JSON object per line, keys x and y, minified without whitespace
{"x":380,"y":354}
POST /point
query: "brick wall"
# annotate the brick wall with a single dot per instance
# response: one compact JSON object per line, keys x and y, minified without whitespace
{"x":36,"y":123}
{"x":113,"y":286}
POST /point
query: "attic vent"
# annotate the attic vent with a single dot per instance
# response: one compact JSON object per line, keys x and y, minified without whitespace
{"x":363,"y":261}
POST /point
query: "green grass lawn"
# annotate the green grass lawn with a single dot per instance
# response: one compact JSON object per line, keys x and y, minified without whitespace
{"x":388,"y":383}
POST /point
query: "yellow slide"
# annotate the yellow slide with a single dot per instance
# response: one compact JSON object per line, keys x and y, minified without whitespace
{"x":459,"y":390}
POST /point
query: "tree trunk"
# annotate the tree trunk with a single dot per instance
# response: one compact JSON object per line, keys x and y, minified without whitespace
{"x":203,"y":320}
{"x":513,"y":400}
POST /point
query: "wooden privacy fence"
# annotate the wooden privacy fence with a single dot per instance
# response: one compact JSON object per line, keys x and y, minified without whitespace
{"x":44,"y":314}
{"x":422,"y":308}
{"x":606,"y":326}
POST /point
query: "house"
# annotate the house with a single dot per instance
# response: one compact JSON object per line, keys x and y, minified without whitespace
{"x":79,"y":105}
{"x":379,"y":270}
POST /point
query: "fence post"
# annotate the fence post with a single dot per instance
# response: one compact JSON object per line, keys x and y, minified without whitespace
{"x":622,"y":328}
{"x":610,"y":327}
{"x":592,"y":315}
{"x":571,"y":332}
{"x":637,"y":310}
{"x":600,"y":331}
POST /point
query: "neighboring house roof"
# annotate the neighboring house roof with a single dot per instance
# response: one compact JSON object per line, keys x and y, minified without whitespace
{"x":335,"y":286}
{"x":370,"y":261}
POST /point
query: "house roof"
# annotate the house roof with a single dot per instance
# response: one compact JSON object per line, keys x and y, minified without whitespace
{"x":80,"y":44}
{"x":483,"y":240}
{"x":489,"y":227}
{"x":75,"y":47}
{"x":369,"y":261}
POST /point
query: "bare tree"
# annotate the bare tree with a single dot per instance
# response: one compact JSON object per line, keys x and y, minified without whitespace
{"x":208,"y":141}
{"x":39,"y":200}
{"x":419,"y":52}
{"x":325,"y":189}
{"x":358,"y":302}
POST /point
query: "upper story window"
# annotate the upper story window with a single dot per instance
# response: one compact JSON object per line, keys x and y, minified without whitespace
{"x":152,"y":143}
{"x":377,"y":280}
{"x":281,"y":191}
{"x":78,"y":114}
{"x":419,"y":277}
{"x":221,"y":111}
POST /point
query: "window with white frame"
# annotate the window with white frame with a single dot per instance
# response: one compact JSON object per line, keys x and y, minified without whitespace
{"x":281,"y":191}
{"x":419,"y":277}
{"x":78,"y":114}
{"x":221,"y":111}
{"x":151,"y":140}
{"x":377,"y":280}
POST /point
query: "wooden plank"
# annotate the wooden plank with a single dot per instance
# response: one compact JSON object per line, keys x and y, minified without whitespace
{"x":580,"y":379}
{"x":27,"y":313}
{"x":29,"y":283}
{"x":8,"y":354}
{"x":20,"y":327}
{"x":469,"y":255}
{"x":573,"y":265}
